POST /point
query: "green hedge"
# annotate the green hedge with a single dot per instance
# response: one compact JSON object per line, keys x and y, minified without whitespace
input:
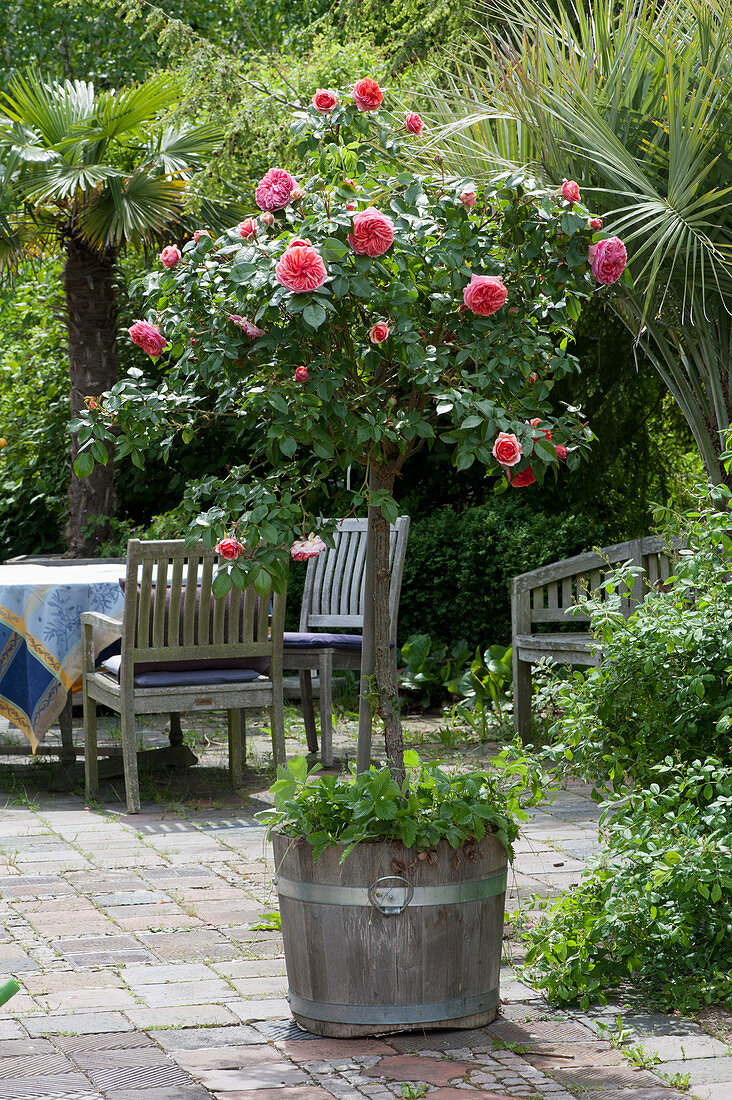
{"x":459,"y":565}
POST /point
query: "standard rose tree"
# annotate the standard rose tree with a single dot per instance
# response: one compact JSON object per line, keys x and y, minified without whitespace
{"x":364,"y":312}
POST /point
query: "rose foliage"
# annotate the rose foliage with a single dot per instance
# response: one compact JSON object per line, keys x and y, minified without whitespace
{"x":375,"y":245}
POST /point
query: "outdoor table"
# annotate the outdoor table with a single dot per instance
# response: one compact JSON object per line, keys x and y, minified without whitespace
{"x":40,"y":639}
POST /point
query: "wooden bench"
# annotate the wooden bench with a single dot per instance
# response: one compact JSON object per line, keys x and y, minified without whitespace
{"x":544,"y":596}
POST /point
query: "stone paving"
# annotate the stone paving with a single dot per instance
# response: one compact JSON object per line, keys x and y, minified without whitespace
{"x":148,"y":969}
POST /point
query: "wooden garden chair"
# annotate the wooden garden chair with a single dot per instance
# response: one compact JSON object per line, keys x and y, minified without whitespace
{"x":185,"y":652}
{"x":544,"y":597}
{"x":332,"y":610}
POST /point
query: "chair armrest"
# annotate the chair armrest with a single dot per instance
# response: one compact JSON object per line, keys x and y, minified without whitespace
{"x":101,"y":622}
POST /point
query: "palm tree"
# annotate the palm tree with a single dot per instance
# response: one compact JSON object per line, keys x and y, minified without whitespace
{"x":631,"y":98}
{"x":91,"y":172}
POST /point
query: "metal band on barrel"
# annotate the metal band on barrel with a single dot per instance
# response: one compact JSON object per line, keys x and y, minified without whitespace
{"x":431,"y":1012}
{"x":452,"y":894}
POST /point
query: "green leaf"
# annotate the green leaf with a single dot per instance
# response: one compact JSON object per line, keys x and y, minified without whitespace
{"x":333,"y":249}
{"x":84,"y":464}
{"x":314,"y":315}
{"x":222,"y":584}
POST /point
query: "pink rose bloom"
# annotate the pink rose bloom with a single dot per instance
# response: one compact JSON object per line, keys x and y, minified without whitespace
{"x":413,"y":123}
{"x":367,"y":95}
{"x":520,"y":480}
{"x":324,"y":101}
{"x":267,"y":219}
{"x":307,"y":548}
{"x":608,"y":259}
{"x":373,"y":233}
{"x":595,"y":223}
{"x":301,"y":374}
{"x":379,"y":332}
{"x":484,"y":294}
{"x":301,"y":269}
{"x":246,"y":325}
{"x":170,"y":255}
{"x":230,"y":549}
{"x":200,"y":233}
{"x":247,"y":228}
{"x":507,"y":450}
{"x":561,"y":451}
{"x":274,"y":190}
{"x":535,"y":423}
{"x":571,"y":191}
{"x":467,"y":198}
{"x":148,"y":337}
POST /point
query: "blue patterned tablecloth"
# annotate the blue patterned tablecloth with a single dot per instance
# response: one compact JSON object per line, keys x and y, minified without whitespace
{"x":40,"y":636}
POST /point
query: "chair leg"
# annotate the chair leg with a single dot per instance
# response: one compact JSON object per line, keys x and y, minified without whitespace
{"x":308,"y":711}
{"x":277,"y":723}
{"x":237,"y":735}
{"x":65,"y":721}
{"x":129,"y":760}
{"x":175,"y":734}
{"x":326,"y":707}
{"x":522,"y":699}
{"x":91,"y":762}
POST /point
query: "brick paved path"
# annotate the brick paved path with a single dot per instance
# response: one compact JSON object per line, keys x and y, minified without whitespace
{"x":142,"y":976}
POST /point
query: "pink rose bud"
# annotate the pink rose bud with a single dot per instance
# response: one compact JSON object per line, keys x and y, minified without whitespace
{"x":608,"y":259}
{"x":595,"y":223}
{"x":571,"y":191}
{"x":535,"y":423}
{"x":324,"y":100}
{"x":484,"y":294}
{"x":200,"y":233}
{"x":350,"y":206}
{"x":274,"y":190}
{"x":301,"y":374}
{"x":413,"y":123}
{"x":561,"y":452}
{"x":170,"y":255}
{"x":533,"y":379}
{"x":379,"y":332}
{"x":297,"y":193}
{"x":246,"y":325}
{"x":230,"y":549}
{"x":522,"y":479}
{"x":248,"y":227}
{"x":467,"y":198}
{"x":267,"y":219}
{"x":367,"y":95}
{"x":307,"y":548}
{"x":373,"y":233}
{"x":148,"y":337}
{"x":507,"y":450}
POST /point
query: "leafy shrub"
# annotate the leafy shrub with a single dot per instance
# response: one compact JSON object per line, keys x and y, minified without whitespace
{"x":429,"y":668}
{"x":34,"y":411}
{"x":663,"y":688}
{"x":655,"y":911}
{"x":459,"y":565}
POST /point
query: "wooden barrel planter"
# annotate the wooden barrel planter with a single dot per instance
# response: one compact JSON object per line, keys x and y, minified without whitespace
{"x":391,"y":940}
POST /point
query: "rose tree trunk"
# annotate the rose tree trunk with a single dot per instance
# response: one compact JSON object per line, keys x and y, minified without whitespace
{"x":91,"y":320}
{"x":383,"y":690}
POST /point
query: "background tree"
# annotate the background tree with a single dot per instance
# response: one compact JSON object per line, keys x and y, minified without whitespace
{"x":91,"y":172}
{"x":632,"y":98}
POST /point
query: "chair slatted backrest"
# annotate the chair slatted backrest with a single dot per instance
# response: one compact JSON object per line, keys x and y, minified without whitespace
{"x":335,"y":581}
{"x":189,"y":622}
{"x":544,"y":595}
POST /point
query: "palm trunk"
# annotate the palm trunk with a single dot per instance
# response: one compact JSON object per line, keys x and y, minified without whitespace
{"x":91,"y":320}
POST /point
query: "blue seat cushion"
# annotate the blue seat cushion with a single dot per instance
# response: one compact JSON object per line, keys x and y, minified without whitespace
{"x":186,"y":677}
{"x":294,"y":640}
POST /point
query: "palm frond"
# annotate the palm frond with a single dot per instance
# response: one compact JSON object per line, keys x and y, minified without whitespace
{"x":53,"y":108}
{"x":132,"y":210}
{"x":181,"y":149}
